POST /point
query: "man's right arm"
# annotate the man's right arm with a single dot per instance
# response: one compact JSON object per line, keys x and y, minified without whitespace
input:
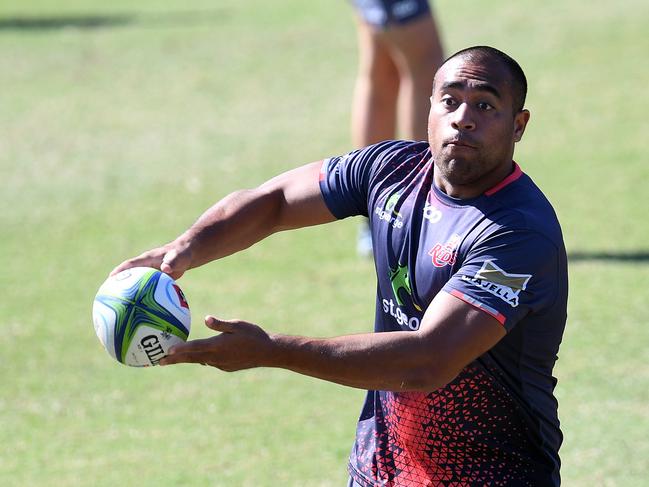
{"x":288,"y":201}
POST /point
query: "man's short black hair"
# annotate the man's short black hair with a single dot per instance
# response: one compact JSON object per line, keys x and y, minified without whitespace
{"x":486,"y":53}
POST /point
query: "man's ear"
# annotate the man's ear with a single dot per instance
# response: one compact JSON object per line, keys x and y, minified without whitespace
{"x":520,"y":122}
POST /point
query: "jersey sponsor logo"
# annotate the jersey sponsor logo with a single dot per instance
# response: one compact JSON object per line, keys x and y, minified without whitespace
{"x":390,"y":307}
{"x":494,"y":280}
{"x":402,"y":290}
{"x":389,"y":213}
{"x":445,"y":254}
{"x":431,"y":213}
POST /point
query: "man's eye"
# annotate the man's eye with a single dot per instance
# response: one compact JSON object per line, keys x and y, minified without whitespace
{"x":449,"y":102}
{"x":483,"y":105}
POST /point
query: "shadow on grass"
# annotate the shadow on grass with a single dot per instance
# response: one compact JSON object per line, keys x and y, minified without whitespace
{"x":639,"y":257}
{"x":56,"y":22}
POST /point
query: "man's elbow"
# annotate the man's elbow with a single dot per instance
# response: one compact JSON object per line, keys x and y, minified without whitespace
{"x":429,"y":379}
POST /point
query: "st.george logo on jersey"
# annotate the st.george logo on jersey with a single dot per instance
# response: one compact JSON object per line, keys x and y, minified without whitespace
{"x":494,"y":280}
{"x":389,"y":212}
{"x":445,"y":254}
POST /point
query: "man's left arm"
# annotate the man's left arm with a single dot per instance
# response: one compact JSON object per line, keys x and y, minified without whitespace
{"x":452,"y":335}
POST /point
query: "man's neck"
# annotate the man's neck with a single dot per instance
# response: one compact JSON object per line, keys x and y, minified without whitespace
{"x":473,"y":189}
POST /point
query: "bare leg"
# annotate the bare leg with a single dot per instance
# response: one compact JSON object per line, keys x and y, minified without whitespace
{"x":376,"y":92}
{"x":395,"y":75}
{"x":417,"y":52}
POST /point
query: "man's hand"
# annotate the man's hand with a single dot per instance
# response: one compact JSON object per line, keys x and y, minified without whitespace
{"x":239,"y":345}
{"x":173,"y":259}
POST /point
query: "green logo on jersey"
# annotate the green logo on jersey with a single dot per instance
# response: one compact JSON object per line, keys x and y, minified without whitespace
{"x":389,"y":213}
{"x":391,"y":204}
{"x":400,"y":281}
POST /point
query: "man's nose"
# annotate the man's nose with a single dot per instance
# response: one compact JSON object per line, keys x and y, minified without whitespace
{"x":463,"y":118}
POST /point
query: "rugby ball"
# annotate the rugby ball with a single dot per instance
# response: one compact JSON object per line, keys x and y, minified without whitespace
{"x":138,"y":314}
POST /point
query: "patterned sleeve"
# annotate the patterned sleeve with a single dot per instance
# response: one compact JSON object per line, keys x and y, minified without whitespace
{"x":345,"y":180}
{"x":509,"y":275}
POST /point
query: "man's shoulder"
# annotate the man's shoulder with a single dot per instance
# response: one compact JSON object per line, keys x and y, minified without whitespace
{"x":523,"y":206}
{"x":396,"y":148}
{"x":391,"y":158}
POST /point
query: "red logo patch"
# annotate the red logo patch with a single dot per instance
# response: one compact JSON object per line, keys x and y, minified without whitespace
{"x":445,"y":254}
{"x":181,"y":297}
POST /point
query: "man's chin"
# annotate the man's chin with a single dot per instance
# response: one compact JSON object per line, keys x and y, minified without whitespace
{"x":459,"y":172}
{"x":455,"y":167}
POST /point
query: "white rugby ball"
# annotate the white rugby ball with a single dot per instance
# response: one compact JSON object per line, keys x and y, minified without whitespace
{"x":139,"y":314}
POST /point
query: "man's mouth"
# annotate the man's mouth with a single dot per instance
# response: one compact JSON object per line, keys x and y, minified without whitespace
{"x":458,"y":143}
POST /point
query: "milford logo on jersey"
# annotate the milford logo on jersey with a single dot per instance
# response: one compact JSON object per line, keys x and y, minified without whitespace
{"x":445,"y":254}
{"x":389,"y":213}
{"x":502,"y":284}
{"x":402,"y":292}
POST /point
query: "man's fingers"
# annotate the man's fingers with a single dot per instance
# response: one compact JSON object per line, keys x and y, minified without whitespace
{"x":192,"y":346}
{"x":171,"y":265}
{"x":200,"y":350}
{"x":185,"y":358}
{"x":123,"y":266}
{"x":215,"y":324}
{"x":193,"y":351}
{"x":144,"y":260}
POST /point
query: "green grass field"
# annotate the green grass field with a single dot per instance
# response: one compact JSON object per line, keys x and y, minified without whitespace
{"x":121,"y":122}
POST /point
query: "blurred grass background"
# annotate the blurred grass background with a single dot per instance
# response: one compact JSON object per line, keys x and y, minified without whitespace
{"x":121,"y":122}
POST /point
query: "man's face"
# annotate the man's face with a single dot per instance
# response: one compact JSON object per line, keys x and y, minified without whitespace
{"x":472,"y":124}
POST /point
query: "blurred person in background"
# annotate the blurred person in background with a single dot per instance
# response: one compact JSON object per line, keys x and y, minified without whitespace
{"x":399,"y":50}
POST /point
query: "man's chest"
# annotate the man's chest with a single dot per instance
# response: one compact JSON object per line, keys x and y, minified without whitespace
{"x":419,"y":244}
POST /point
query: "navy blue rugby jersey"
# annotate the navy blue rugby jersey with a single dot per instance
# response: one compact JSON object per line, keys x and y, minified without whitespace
{"x":496,"y":423}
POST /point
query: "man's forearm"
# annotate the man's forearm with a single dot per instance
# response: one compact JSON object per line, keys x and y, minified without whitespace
{"x":395,"y":361}
{"x":234,"y":223}
{"x":452,"y":334}
{"x":290,"y":200}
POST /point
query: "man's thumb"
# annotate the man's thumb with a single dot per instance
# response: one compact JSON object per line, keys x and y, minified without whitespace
{"x":215,"y":324}
{"x":169,"y":265}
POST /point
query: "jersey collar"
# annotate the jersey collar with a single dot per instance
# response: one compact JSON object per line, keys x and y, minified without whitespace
{"x":515,"y":174}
